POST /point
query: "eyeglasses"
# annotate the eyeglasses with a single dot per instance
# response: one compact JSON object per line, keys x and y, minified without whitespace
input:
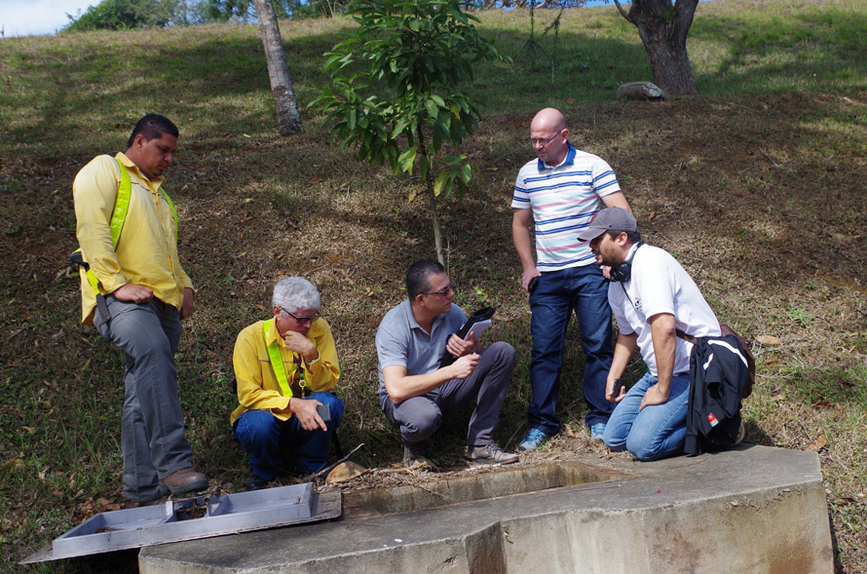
{"x":302,"y":319}
{"x":442,"y":292}
{"x":544,"y":141}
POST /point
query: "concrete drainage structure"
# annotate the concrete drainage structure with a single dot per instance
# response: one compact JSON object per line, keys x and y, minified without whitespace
{"x":754,"y":509}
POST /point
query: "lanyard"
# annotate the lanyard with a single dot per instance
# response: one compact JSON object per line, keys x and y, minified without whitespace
{"x":277,"y":363}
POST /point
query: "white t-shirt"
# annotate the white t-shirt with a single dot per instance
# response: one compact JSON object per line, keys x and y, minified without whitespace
{"x":659,"y":284}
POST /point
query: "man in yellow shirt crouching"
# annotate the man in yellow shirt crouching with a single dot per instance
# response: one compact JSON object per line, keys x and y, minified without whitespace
{"x":286,"y":368}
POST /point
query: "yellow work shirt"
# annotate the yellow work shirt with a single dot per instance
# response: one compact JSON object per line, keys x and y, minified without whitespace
{"x":258,"y":388}
{"x":147,"y":252}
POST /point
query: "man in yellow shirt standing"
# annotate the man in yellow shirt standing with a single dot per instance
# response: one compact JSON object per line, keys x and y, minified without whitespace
{"x":141,"y":295}
{"x":286,"y":368}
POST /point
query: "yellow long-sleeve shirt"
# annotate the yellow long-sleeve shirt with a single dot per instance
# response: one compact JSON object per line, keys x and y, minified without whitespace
{"x":146,"y":252}
{"x":258,"y":388}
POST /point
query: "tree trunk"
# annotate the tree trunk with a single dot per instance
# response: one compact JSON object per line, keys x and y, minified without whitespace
{"x":438,"y":234}
{"x":663,"y":29}
{"x":288,"y":118}
{"x":427,"y":171}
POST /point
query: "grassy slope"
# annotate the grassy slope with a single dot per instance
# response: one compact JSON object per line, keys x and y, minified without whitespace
{"x":756,"y":185}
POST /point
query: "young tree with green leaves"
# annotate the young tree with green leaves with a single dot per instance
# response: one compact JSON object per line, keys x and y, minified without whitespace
{"x":397,"y":89}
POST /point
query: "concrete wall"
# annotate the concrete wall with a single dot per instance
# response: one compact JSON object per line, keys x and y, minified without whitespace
{"x":755,"y":509}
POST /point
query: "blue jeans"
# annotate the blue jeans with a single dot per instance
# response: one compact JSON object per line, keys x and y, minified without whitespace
{"x":557,"y":294}
{"x":153,"y":441}
{"x":263,"y":435}
{"x":658,"y":431}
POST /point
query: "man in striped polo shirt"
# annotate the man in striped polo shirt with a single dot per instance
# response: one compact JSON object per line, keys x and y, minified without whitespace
{"x":560,"y":192}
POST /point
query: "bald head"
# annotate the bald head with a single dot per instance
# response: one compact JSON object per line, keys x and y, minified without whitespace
{"x":549,"y":136}
{"x":549,"y":119}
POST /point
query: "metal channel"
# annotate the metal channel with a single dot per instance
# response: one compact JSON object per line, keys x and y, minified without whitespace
{"x":175,"y":521}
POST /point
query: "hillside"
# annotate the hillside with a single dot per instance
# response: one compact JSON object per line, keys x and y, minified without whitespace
{"x":756,"y":185}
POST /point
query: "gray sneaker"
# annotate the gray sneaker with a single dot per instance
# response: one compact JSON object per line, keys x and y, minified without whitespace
{"x":490,"y":454}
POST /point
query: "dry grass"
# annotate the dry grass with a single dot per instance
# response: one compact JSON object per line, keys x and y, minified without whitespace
{"x":760,"y":196}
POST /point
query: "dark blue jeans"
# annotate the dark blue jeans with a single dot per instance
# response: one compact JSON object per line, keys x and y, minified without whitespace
{"x":263,"y":435}
{"x":557,"y":294}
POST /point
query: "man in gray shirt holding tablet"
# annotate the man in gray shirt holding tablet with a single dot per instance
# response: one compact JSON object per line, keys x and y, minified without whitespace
{"x":415,"y":392}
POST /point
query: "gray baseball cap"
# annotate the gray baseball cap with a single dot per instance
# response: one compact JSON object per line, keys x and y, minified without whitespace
{"x":610,"y":219}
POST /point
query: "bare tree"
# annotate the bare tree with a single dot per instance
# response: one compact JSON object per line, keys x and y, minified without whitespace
{"x":288,"y":118}
{"x":663,"y":28}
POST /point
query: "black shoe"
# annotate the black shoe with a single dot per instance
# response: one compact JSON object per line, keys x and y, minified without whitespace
{"x":255,"y":483}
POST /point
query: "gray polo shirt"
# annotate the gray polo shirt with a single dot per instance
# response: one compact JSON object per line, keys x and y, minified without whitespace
{"x":401,"y":341}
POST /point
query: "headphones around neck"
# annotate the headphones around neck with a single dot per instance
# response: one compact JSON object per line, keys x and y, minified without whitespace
{"x":623,"y":272}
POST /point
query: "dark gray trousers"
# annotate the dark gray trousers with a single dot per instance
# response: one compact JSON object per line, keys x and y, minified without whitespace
{"x":153,"y":441}
{"x":419,"y":417}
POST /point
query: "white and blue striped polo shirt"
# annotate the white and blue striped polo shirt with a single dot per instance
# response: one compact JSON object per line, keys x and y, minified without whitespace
{"x":563,"y":200}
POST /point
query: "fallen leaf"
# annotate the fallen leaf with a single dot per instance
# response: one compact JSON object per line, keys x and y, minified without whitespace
{"x":780,"y":397}
{"x":316,"y":179}
{"x":821,"y":441}
{"x":769,"y":341}
{"x":345,"y":471}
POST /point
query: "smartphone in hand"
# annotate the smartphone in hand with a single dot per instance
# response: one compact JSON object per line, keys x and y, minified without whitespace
{"x":324,"y":413}
{"x":532,"y":285}
{"x":618,"y":384}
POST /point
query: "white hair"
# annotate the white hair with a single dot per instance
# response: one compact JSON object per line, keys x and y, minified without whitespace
{"x":294,"y":294}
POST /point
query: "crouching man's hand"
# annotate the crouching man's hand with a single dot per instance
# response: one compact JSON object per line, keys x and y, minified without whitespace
{"x":308,"y":416}
{"x":653,"y":396}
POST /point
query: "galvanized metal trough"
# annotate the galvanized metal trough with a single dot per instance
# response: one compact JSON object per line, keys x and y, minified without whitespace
{"x":176,"y":521}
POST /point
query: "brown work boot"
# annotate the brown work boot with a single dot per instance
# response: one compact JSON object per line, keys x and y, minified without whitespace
{"x":185,"y":480}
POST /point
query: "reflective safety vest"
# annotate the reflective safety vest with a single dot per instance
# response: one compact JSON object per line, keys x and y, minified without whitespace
{"x":277,"y":363}
{"x":118,"y":216}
